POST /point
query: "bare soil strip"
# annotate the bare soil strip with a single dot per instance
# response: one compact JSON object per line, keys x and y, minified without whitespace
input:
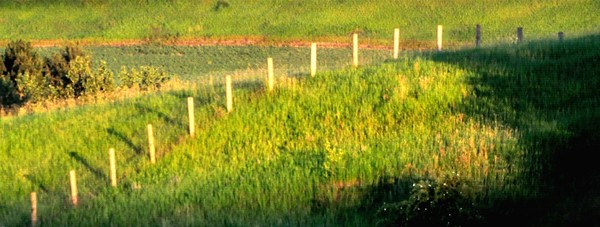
{"x":253,"y":41}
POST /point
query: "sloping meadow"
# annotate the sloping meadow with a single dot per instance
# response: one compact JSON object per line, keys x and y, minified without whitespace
{"x":446,"y":138}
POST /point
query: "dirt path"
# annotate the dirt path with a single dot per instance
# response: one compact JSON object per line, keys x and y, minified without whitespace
{"x":405,"y":45}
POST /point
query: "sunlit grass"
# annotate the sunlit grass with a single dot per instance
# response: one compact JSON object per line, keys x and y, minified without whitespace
{"x":324,"y":150}
{"x":276,"y":156}
{"x":273,"y":20}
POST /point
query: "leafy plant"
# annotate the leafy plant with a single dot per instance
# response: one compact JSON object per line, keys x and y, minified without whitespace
{"x":144,"y":77}
{"x":57,"y":67}
{"x":33,"y":88}
{"x":87,"y":82}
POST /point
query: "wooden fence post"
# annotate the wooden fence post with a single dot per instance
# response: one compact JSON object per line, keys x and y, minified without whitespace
{"x":270,"y":74}
{"x":439,"y":37}
{"x":192,"y":124}
{"x":561,"y":36}
{"x":151,"y":147}
{"x":355,"y":50}
{"x":477,"y":36}
{"x":519,"y":34}
{"x":396,"y":42}
{"x":33,"y":199}
{"x":313,"y":59}
{"x":73,"y":180}
{"x":229,"y":93}
{"x":113,"y":167}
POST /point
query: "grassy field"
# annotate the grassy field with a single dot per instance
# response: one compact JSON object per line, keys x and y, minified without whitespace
{"x":492,"y":136}
{"x":277,"y":20}
{"x":198,"y":62}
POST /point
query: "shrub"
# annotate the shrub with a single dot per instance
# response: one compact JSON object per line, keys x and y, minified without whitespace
{"x":33,"y":88}
{"x":26,"y":78}
{"x":84,"y":81}
{"x":144,"y":77}
{"x":18,"y":59}
{"x":57,"y":67}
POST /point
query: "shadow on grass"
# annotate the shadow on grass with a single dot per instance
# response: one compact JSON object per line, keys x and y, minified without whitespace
{"x":97,"y":172}
{"x":198,"y":99}
{"x":165,"y":117}
{"x":548,"y":92}
{"x":32,"y":179}
{"x":114,"y":132}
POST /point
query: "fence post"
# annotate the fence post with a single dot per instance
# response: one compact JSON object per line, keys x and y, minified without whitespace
{"x":73,"y":180}
{"x":229,"y":93}
{"x":477,"y":36}
{"x":355,"y":50}
{"x":151,"y":148}
{"x":313,"y":59}
{"x":396,"y":42}
{"x":439,"y":37}
{"x":561,"y":36}
{"x":33,"y":199}
{"x":113,"y":167}
{"x":270,"y":74}
{"x":519,"y":34}
{"x":192,"y":124}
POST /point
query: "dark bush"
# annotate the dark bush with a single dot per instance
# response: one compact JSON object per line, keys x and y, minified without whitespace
{"x":431,"y":203}
{"x":19,"y":59}
{"x":57,"y":68}
{"x":8,"y":92}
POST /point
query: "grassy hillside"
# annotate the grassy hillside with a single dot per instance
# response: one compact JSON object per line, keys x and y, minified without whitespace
{"x":278,"y":20}
{"x":491,"y":136}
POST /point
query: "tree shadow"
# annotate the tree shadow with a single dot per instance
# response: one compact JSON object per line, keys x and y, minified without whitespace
{"x":198,"y":100}
{"x":165,"y":117}
{"x":32,"y":179}
{"x":119,"y":135}
{"x":548,"y":92}
{"x":96,"y":171}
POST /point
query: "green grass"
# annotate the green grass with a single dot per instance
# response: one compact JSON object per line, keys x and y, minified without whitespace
{"x":276,"y":20}
{"x":514,"y":123}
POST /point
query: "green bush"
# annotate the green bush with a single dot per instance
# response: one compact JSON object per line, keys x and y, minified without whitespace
{"x":33,"y":88}
{"x":85,"y":81}
{"x":57,"y":68}
{"x":144,"y":77}
{"x":19,"y":59}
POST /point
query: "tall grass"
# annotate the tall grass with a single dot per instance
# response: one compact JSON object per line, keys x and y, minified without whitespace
{"x":328,"y":150}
